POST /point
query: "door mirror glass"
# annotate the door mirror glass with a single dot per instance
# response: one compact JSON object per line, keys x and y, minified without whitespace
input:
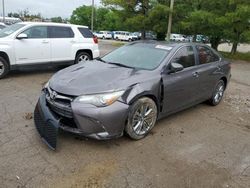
{"x":22,"y":36}
{"x":175,"y":67}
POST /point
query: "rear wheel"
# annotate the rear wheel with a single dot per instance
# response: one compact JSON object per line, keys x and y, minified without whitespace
{"x":82,"y":57}
{"x":218,"y":93}
{"x":4,"y":67}
{"x":142,"y":118}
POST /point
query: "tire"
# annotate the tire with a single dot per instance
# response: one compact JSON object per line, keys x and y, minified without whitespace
{"x":82,"y":57}
{"x":140,"y":119}
{"x":4,"y":67}
{"x":103,"y":37}
{"x":217,"y":93}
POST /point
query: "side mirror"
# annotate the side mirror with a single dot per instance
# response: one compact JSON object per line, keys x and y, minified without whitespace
{"x":175,"y":67}
{"x":22,"y":36}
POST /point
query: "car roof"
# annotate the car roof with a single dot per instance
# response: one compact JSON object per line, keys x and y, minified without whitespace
{"x":51,"y":24}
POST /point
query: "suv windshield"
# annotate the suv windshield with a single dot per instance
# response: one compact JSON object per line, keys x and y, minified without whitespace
{"x":10,"y":29}
{"x":140,"y":55}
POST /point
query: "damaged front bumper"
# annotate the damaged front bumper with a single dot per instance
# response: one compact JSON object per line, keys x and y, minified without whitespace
{"x":92,"y":122}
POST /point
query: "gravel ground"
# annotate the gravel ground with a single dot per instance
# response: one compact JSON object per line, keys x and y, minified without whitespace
{"x":202,"y":146}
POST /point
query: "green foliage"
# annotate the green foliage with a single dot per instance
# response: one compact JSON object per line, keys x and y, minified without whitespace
{"x":57,"y":19}
{"x":217,"y":19}
{"x":82,"y":16}
{"x":157,"y":19}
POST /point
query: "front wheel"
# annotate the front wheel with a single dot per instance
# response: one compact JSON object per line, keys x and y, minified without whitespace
{"x":82,"y":57}
{"x":4,"y":67}
{"x":218,"y":93}
{"x":142,"y":118}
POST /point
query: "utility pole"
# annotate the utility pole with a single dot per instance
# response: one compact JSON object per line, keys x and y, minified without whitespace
{"x":170,"y":20}
{"x":3,"y":12}
{"x":92,"y":17}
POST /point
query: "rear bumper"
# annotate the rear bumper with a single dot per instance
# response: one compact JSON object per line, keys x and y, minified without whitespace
{"x":98,"y":123}
{"x":96,"y":53}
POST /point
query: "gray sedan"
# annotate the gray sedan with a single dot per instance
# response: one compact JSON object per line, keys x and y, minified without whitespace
{"x":129,"y":89}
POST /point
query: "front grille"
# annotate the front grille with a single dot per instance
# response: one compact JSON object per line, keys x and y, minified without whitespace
{"x":58,"y":103}
{"x":47,"y":131}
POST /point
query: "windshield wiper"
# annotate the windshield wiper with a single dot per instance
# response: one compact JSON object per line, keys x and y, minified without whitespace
{"x":121,"y":65}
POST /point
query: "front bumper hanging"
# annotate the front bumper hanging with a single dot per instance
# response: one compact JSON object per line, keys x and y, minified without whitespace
{"x":47,"y":125}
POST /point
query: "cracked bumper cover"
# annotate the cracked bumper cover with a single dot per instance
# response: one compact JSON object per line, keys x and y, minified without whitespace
{"x":98,"y":123}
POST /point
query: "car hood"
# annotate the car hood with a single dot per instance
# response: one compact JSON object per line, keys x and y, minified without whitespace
{"x":95,"y":77}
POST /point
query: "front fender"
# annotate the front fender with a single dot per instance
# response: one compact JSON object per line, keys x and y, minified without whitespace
{"x":149,"y":88}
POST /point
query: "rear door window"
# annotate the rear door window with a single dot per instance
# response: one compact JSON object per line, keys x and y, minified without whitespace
{"x":185,"y":57}
{"x":205,"y":55}
{"x":60,"y":32}
{"x":86,"y":33}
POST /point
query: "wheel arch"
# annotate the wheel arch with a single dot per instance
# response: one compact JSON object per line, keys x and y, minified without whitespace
{"x":224,"y":79}
{"x":5,"y":56}
{"x":148,"y":95}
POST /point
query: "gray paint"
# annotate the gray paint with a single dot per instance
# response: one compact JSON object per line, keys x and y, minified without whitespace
{"x":171,"y":91}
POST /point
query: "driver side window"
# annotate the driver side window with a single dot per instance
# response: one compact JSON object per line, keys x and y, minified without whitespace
{"x":37,"y":32}
{"x":185,"y":57}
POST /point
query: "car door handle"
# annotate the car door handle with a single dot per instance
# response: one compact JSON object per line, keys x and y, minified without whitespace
{"x":196,"y":74}
{"x":45,"y":41}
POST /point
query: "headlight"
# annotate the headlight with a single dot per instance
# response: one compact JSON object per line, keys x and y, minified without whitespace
{"x":100,"y":100}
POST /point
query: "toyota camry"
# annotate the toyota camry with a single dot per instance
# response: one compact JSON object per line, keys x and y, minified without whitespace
{"x":129,"y":89}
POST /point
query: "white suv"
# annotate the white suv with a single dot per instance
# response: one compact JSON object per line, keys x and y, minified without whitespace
{"x":37,"y":43}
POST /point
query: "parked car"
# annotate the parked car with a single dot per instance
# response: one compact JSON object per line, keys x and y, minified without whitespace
{"x":150,"y":35}
{"x":178,"y":38}
{"x":34,"y":44}
{"x":202,"y":38}
{"x":104,"y":34}
{"x":134,"y":36}
{"x":138,"y":34}
{"x":2,"y":26}
{"x":123,"y":36}
{"x":126,"y":92}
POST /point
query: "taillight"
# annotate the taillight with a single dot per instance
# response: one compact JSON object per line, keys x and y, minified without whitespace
{"x":95,"y":39}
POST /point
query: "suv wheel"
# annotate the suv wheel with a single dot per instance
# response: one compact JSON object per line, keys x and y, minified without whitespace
{"x":142,"y":118}
{"x":82,"y":57}
{"x":4,"y":67}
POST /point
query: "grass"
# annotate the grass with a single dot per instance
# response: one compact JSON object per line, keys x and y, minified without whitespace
{"x":118,"y":44}
{"x":237,"y":56}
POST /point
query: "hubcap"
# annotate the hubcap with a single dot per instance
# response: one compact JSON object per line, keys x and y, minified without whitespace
{"x":83,"y":58}
{"x":143,"y":119}
{"x":219,"y":93}
{"x":1,"y":68}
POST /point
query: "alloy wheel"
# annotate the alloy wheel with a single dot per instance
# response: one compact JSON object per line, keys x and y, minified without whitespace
{"x":219,"y":92}
{"x":83,"y":58}
{"x":144,"y":118}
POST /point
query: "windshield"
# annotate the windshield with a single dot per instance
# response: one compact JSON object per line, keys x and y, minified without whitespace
{"x":139,"y":55}
{"x":10,"y":29}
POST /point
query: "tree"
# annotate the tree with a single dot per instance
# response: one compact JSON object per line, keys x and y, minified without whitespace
{"x":132,"y":11}
{"x":237,"y":22}
{"x":157,"y":18}
{"x":81,"y":16}
{"x":112,"y":21}
{"x":57,"y":19}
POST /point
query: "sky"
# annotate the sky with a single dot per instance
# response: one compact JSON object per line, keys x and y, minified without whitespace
{"x":48,"y":8}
